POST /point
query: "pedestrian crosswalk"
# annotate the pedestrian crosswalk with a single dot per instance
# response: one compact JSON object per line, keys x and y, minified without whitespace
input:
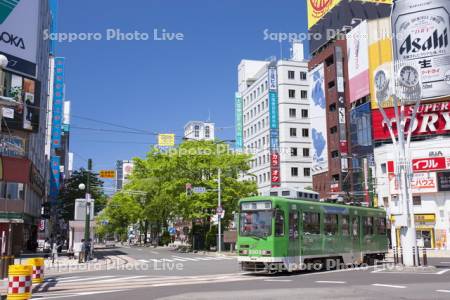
{"x":175,"y":258}
{"x":72,"y":286}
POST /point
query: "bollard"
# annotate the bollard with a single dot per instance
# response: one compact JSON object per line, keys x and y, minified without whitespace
{"x":38,"y":268}
{"x":418,"y":256}
{"x":19,"y":282}
{"x":425,"y":259}
{"x":401,"y":255}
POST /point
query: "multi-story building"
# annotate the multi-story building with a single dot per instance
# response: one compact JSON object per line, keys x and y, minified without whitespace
{"x":199,"y":131}
{"x":23,"y":83}
{"x":273,"y":120}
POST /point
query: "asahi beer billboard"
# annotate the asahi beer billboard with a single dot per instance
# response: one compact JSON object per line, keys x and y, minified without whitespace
{"x":421,"y":30}
{"x":319,"y":121}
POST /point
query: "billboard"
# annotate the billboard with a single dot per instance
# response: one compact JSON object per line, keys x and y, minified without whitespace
{"x":11,"y":145}
{"x":24,"y":93}
{"x":317,"y":9}
{"x":108,"y":174}
{"x":239,"y":123}
{"x":318,"y":120}
{"x":361,"y":130}
{"x":431,"y":119}
{"x":19,"y":34}
{"x":426,"y":164}
{"x":55,"y":162}
{"x":58,"y":98}
{"x":421,"y":29}
{"x":380,"y":53}
{"x":421,"y":183}
{"x":358,"y":62}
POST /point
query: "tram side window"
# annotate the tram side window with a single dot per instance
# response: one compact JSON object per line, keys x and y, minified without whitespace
{"x":311,"y":223}
{"x":293,"y":225}
{"x":279,"y":223}
{"x":355,"y":225}
{"x":345,"y":225}
{"x":331,"y":224}
{"x":368,"y":226}
{"x":381,"y":225}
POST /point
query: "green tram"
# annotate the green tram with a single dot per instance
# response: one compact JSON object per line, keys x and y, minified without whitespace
{"x":288,"y":233}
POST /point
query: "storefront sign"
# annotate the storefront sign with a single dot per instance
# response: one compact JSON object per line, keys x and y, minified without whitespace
{"x":11,"y":145}
{"x":421,"y":183}
{"x":425,"y":164}
{"x":58,"y":98}
{"x":432,"y":118}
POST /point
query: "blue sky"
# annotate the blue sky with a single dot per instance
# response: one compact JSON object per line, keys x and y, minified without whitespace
{"x":158,"y":86}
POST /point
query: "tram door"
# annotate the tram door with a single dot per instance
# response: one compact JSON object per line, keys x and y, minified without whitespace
{"x":294,"y":234}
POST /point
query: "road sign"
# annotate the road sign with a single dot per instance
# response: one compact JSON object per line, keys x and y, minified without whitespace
{"x":172,"y":231}
{"x":199,"y":189}
{"x":219,"y":210}
{"x":107,"y":174}
{"x":166,"y":140}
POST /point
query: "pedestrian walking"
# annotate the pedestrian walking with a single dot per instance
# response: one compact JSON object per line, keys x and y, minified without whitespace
{"x":55,"y":251}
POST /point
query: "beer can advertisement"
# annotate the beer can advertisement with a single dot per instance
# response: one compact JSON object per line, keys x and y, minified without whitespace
{"x":421,"y":37}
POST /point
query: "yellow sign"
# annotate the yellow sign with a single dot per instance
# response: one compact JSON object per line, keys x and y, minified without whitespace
{"x":380,"y":54}
{"x":107,"y":174}
{"x":317,"y":9}
{"x":421,"y":218}
{"x":166,"y":140}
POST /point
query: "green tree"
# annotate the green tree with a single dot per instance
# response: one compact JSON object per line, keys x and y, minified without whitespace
{"x":70,"y":192}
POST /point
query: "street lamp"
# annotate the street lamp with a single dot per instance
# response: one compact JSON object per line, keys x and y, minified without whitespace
{"x":82,"y":187}
{"x":403,"y":88}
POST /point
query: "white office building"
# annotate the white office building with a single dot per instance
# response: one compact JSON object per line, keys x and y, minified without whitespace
{"x":199,"y":131}
{"x":272,"y":121}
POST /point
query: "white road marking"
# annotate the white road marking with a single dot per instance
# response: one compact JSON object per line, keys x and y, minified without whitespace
{"x":80,"y":294}
{"x":443,"y":271}
{"x":330,"y":281}
{"x":86,"y":278}
{"x":167,"y":260}
{"x":143,"y":260}
{"x":120,"y":279}
{"x":443,"y":291}
{"x":51,"y":279}
{"x":139,"y":249}
{"x":186,"y":258}
{"x":390,"y":285}
{"x":444,"y":262}
{"x":154,"y":252}
{"x":155,"y":260}
{"x":205,"y":258}
{"x":278,"y":280}
{"x":178,"y":259}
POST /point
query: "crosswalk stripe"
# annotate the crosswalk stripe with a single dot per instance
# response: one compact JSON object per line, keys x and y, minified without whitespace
{"x":206,"y":258}
{"x":120,"y":279}
{"x":86,"y":278}
{"x":186,"y":258}
{"x":143,"y":260}
{"x":178,"y":259}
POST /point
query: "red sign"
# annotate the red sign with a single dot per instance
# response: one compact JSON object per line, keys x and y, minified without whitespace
{"x":275,"y":169}
{"x":432,"y":118}
{"x":425,"y":164}
{"x":275,"y":176}
{"x":275,"y":159}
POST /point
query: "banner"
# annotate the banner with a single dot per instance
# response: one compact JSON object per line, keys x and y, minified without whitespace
{"x":318,"y":121}
{"x":58,"y":98}
{"x":55,"y":176}
{"x":274,"y":127}
{"x":239,"y":123}
{"x":421,"y":183}
{"x":358,"y":62}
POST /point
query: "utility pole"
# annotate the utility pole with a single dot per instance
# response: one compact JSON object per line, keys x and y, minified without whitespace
{"x":219,"y":211}
{"x":88,"y":203}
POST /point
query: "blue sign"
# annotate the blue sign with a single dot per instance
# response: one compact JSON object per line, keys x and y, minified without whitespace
{"x":58,"y":97}
{"x":239,"y":124}
{"x":274,"y":139}
{"x":273,"y":109}
{"x":172,"y":231}
{"x":55,"y":176}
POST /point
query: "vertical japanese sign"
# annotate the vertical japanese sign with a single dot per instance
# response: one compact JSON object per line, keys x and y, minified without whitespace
{"x":343,"y":144}
{"x":55,"y":161}
{"x":274,"y":129}
{"x":239,"y":124}
{"x":319,"y":121}
{"x":58,"y":97}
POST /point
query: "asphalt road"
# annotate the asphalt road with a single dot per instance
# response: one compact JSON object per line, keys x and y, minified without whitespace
{"x":163,"y":274}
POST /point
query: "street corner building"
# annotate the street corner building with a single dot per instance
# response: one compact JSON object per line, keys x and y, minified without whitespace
{"x":272,"y":110}
{"x":353,"y":155}
{"x":23,"y":105}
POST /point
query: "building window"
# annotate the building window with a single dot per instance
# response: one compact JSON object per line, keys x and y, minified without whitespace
{"x":305,"y":152}
{"x":291,"y":94}
{"x":386,"y":202}
{"x":294,"y":172}
{"x":207,"y":132}
{"x":293,"y":132}
{"x":305,"y":132}
{"x":306,"y":172}
{"x":293,"y":151}
{"x":334,"y":154}
{"x":303,"y":75}
{"x":332,"y":107}
{"x":196,"y":131}
{"x":304,"y":94}
{"x":333,"y":129}
{"x":304,"y":113}
{"x":12,"y":190}
{"x":383,"y":168}
{"x":417,"y":200}
{"x":291,"y":74}
{"x":292,"y":112}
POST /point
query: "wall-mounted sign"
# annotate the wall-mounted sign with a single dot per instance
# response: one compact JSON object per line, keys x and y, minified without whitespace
{"x":11,"y":145}
{"x":421,"y":183}
{"x":443,"y":181}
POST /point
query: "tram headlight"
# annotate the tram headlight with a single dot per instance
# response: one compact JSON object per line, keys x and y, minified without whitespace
{"x":243,"y":252}
{"x":266,"y":253}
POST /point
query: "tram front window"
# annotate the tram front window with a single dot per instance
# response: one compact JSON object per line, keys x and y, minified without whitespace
{"x":256,"y":223}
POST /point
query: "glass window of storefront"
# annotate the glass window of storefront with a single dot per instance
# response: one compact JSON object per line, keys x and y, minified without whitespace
{"x":12,"y":190}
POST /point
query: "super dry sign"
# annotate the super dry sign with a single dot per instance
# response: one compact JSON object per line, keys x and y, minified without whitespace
{"x":432,"y":118}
